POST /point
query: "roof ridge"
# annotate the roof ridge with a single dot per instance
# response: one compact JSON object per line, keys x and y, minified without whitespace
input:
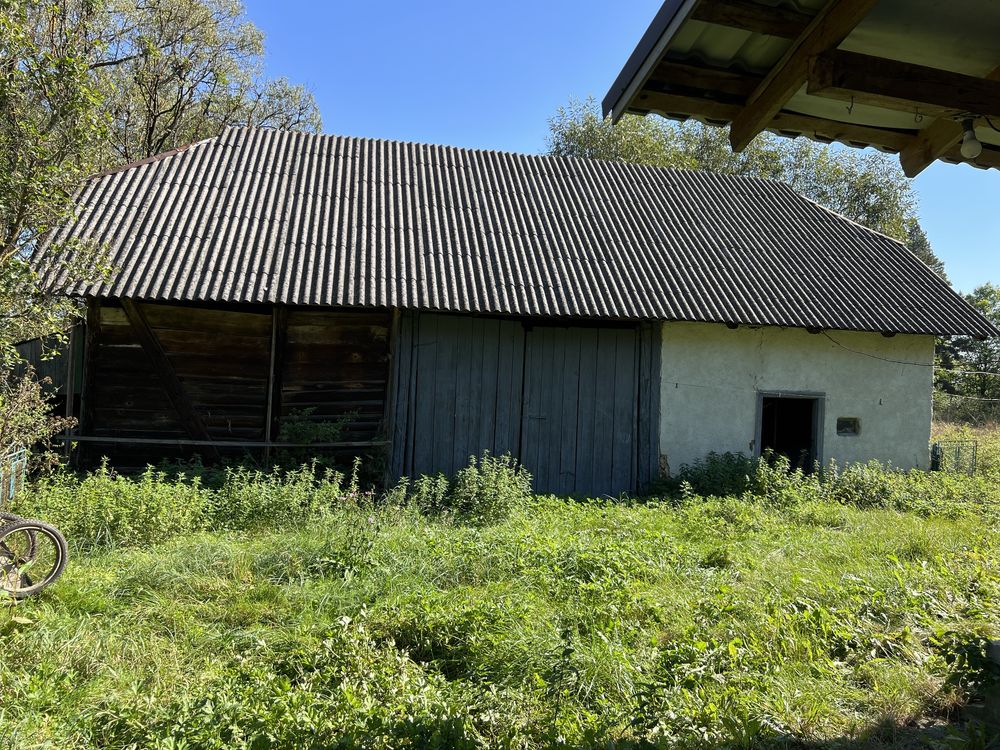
{"x":520,"y":154}
{"x":155,"y":157}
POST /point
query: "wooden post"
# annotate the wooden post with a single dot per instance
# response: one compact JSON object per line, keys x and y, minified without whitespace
{"x":69,"y":388}
{"x":389,"y":399}
{"x":279,"y":342}
{"x":189,"y":418}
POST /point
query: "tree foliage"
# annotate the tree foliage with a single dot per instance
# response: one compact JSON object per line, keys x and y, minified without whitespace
{"x":178,"y":71}
{"x":868,"y":188}
{"x":968,"y":374}
{"x":92,"y":84}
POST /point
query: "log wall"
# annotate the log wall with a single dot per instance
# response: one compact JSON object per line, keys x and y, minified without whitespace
{"x":217,"y":361}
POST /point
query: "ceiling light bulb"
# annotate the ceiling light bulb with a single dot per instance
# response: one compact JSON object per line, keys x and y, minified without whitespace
{"x":971,"y":147}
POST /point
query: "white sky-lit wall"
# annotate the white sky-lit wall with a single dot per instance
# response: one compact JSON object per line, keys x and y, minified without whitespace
{"x":712,"y":375}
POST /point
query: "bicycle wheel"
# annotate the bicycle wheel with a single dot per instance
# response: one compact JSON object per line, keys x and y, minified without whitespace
{"x":33,"y":555}
{"x":7,"y":518}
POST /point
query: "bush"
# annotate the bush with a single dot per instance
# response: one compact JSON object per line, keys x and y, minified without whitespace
{"x":480,"y":494}
{"x":252,"y":499}
{"x":718,"y":474}
{"x":486,"y":491}
{"x":107,"y":509}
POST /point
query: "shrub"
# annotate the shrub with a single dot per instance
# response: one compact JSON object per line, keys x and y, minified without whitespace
{"x":107,"y":509}
{"x":480,"y":494}
{"x":252,"y":499}
{"x":718,"y":474}
{"x":486,"y":491}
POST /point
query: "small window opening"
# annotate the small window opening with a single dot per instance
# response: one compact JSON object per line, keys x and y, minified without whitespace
{"x":788,"y":427}
{"x":848,"y":426}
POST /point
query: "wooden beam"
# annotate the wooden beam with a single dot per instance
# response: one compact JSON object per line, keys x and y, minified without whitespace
{"x":190,"y":420}
{"x":279,"y":343}
{"x":670,"y":75}
{"x":930,"y":144}
{"x":217,"y":443}
{"x":814,"y":127}
{"x":933,"y":141}
{"x":827,"y":30}
{"x":989,"y":158}
{"x":679,"y":104}
{"x":90,"y":346}
{"x":889,"y":83}
{"x":751,"y":16}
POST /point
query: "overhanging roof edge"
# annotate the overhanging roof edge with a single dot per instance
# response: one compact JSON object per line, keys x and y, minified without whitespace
{"x":645,"y":54}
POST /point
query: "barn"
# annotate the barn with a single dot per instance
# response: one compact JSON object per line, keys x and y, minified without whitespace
{"x":605,"y":323}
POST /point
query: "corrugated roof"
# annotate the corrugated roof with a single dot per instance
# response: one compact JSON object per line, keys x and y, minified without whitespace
{"x":260,"y":215}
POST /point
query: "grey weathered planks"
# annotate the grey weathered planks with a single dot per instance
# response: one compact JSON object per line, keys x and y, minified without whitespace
{"x":458,"y":392}
{"x":566,"y":400}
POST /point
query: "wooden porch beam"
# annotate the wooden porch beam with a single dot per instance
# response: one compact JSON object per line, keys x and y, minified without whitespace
{"x":825,"y":32}
{"x":845,"y":132}
{"x":190,"y":420}
{"x":934,"y":141}
{"x":701,"y":78}
{"x":890,"y":83}
{"x":751,"y":16}
{"x":990,"y":157}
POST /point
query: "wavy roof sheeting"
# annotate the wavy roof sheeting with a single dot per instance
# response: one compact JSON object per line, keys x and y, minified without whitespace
{"x":259,"y":215}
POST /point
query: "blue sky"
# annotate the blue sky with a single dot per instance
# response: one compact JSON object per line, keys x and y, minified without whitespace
{"x":489,"y":75}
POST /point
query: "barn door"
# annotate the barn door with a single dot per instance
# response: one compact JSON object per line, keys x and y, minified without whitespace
{"x":579,"y":419}
{"x":464,"y":393}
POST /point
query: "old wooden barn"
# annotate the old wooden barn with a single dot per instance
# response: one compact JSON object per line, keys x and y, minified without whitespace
{"x":602,"y":322}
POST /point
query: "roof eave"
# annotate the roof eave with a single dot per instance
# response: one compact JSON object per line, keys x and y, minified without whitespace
{"x":644,"y":57}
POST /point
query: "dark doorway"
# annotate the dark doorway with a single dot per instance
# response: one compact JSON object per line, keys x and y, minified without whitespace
{"x":788,"y":427}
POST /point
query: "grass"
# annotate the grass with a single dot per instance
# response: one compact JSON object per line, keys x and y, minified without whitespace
{"x":791,"y":615}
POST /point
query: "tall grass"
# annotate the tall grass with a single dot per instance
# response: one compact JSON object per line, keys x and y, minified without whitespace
{"x":295,"y":610}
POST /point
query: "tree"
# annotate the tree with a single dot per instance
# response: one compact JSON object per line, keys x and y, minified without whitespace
{"x":50,"y":123}
{"x":178,"y":71}
{"x":967,"y":385}
{"x":867,"y":188}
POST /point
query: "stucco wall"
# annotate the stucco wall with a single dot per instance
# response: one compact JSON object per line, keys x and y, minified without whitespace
{"x":711,"y":377}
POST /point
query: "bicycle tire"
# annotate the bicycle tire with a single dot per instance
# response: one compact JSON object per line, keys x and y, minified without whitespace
{"x":8,"y":518}
{"x":13,"y":581}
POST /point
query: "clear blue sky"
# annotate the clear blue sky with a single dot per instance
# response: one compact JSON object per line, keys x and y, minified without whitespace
{"x":489,"y":75}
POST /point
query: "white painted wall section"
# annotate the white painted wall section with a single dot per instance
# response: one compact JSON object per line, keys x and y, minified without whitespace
{"x":712,"y":375}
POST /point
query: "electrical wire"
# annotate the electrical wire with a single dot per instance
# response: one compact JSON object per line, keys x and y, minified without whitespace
{"x":904,"y":362}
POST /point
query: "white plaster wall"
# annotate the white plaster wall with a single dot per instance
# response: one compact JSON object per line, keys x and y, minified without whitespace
{"x":711,"y":376}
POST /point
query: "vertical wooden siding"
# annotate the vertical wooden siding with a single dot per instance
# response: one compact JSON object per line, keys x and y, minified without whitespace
{"x":579,"y":433}
{"x":458,"y":393}
{"x":578,"y":405}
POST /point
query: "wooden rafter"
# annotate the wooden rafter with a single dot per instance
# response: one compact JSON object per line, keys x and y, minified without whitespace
{"x":893,"y":84}
{"x":190,"y":420}
{"x":669,"y":74}
{"x":827,"y":30}
{"x":990,"y":157}
{"x":751,"y":16}
{"x":674,"y":104}
{"x":933,"y":141}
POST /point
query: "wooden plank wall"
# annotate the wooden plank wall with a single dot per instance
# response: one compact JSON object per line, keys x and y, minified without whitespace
{"x":458,"y":391}
{"x":578,"y":405}
{"x":579,"y":433}
{"x":334,"y":362}
{"x":337,"y":364}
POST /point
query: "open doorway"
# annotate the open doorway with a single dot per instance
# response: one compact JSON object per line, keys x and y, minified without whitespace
{"x":789,"y":426}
